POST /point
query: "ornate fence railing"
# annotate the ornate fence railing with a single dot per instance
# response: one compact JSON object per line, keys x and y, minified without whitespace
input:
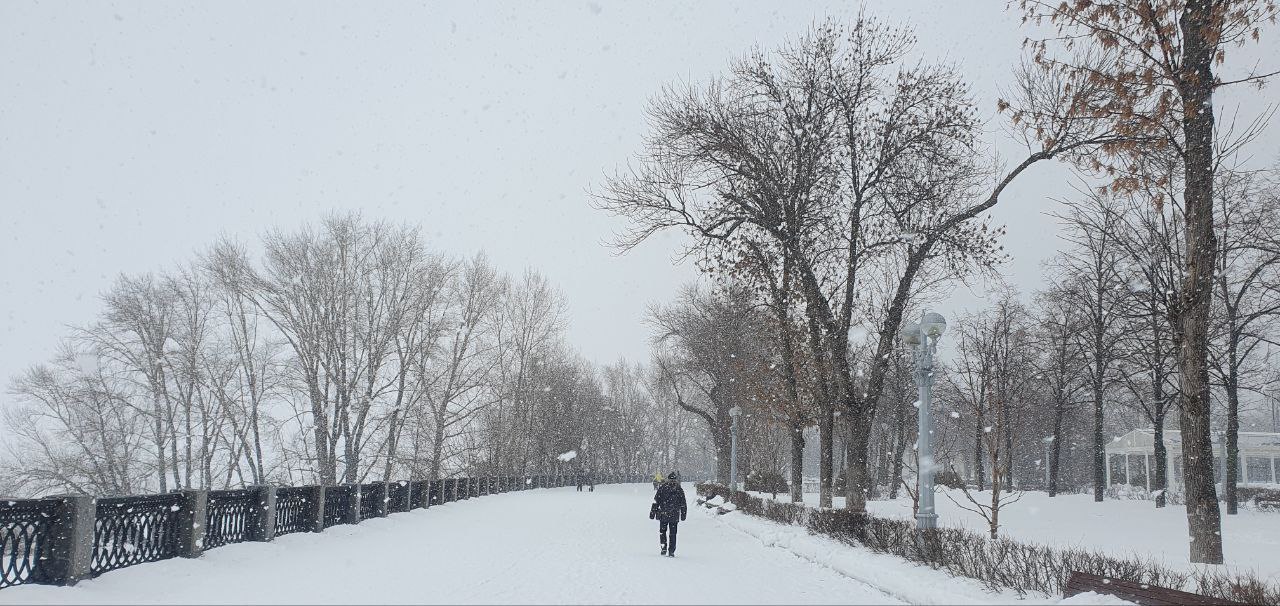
{"x":338,"y":501}
{"x":371,"y":500}
{"x":133,"y":530}
{"x":65,"y":539}
{"x":232,"y":517}
{"x":397,"y":493}
{"x":294,"y":509}
{"x":419,"y":493}
{"x":24,"y":539}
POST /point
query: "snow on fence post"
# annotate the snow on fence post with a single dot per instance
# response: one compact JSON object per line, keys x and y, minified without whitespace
{"x":191,"y":521}
{"x":315,"y":521}
{"x":263,"y":526}
{"x":352,"y":514}
{"x":70,"y":541}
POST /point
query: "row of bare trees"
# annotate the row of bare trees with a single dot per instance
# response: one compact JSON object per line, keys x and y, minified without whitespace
{"x":340,"y":352}
{"x":840,"y":180}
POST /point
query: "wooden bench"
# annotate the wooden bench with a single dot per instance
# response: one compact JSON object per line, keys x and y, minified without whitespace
{"x":1138,"y":593}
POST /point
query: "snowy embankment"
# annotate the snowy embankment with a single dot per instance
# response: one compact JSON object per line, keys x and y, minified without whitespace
{"x":1251,"y":539}
{"x":540,"y":546}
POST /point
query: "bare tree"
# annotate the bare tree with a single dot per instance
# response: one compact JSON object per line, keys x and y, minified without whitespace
{"x":851,"y":161}
{"x":1091,"y":281}
{"x":1153,"y":63}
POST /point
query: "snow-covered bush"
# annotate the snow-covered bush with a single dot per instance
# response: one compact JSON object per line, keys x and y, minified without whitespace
{"x":766,"y":481}
{"x":1125,"y":492}
{"x":1250,"y":496}
{"x":999,"y":563}
{"x":949,"y":478}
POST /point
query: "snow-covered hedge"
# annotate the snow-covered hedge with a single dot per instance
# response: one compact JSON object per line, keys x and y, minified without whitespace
{"x":1001,"y":563}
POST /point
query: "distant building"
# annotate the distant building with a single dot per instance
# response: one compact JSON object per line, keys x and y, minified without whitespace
{"x":1131,"y":458}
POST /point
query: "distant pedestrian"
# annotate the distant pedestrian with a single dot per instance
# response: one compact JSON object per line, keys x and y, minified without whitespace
{"x":657,"y":480}
{"x":669,"y":508}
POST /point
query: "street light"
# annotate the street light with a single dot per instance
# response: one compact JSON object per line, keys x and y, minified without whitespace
{"x":922,"y":339}
{"x":734,"y":413}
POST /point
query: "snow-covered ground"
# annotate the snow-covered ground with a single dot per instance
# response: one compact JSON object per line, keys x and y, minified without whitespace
{"x":542,"y":546}
{"x":1251,"y":539}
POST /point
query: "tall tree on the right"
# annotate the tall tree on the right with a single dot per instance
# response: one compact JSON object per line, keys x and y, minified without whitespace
{"x":1156,"y":60}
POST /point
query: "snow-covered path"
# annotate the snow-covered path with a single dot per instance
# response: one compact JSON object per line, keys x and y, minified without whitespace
{"x":541,"y":546}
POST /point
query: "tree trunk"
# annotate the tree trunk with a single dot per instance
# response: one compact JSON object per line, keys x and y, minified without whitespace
{"x":1099,"y":446}
{"x":899,"y":447}
{"x":1203,"y":516}
{"x":797,"y":463}
{"x":826,"y":442}
{"x":1232,"y":475}
{"x":320,"y":427}
{"x":723,"y":442}
{"x":978,"y":451}
{"x":857,"y":480}
{"x":1008,"y":449}
{"x":1159,"y":479}
{"x":1055,"y":449}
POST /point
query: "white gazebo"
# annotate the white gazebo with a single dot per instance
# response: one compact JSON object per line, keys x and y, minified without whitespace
{"x":1131,"y":458}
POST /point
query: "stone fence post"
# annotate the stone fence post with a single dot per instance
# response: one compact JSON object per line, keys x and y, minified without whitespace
{"x":191,"y":522}
{"x":315,"y":521}
{"x":70,"y":540}
{"x":263,"y":527}
{"x":380,"y":494}
{"x":352,"y":514}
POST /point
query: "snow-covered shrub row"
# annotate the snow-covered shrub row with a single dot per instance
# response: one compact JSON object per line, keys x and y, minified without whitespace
{"x":1000,"y":563}
{"x":1126,"y":492}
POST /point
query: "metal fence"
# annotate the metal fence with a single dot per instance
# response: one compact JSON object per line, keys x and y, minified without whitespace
{"x":133,"y":530}
{"x":419,"y":494}
{"x":338,"y":500}
{"x":397,"y":492}
{"x":294,"y":509}
{"x":24,"y":534}
{"x":371,"y":500}
{"x":231,"y":517}
{"x":36,"y":535}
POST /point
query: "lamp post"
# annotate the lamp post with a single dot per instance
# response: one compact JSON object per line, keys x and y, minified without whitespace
{"x":922,"y":339}
{"x":734,"y":413}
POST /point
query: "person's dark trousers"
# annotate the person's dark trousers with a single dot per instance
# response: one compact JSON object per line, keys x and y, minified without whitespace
{"x":666,"y":528}
{"x":579,"y":487}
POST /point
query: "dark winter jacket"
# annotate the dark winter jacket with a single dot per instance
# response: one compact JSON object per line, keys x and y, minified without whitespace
{"x":670,"y":502}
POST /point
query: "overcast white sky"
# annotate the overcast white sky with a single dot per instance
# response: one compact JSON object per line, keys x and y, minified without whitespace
{"x":133,"y":134}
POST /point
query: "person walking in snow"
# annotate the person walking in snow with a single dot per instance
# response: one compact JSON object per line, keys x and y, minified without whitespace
{"x":669,"y":508}
{"x":657,"y":480}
